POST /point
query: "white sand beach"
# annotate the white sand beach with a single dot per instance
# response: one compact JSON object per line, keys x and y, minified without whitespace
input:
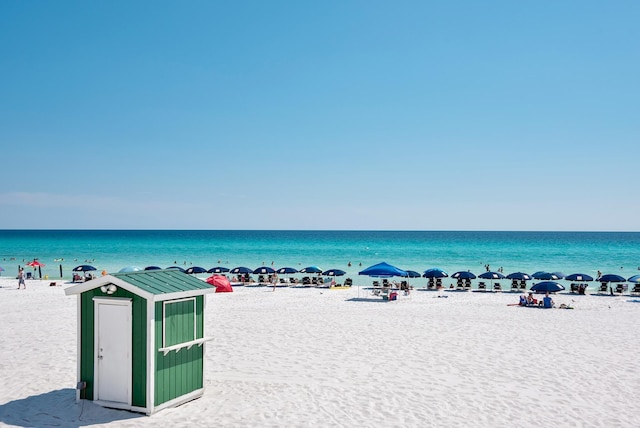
{"x":320,"y":357}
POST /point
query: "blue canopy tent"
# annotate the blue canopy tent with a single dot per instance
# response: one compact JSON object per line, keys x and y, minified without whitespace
{"x":382,"y":270}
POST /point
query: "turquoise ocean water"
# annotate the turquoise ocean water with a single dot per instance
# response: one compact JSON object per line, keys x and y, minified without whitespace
{"x":110,"y":250}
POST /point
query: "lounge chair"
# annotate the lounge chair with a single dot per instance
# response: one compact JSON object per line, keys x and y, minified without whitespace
{"x":497,"y":287}
{"x":574,"y":288}
{"x":635,"y":290}
{"x":376,"y":284}
{"x":438,"y":282}
{"x":348,"y":282}
{"x":29,"y":275}
{"x":620,"y":288}
{"x":514,"y":285}
{"x":604,"y":287}
{"x":523,"y":284}
{"x":482,"y":286}
{"x":467,"y":285}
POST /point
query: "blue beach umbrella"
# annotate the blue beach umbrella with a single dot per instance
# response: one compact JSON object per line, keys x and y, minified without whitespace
{"x":129,"y":269}
{"x":264,"y":270}
{"x":547,"y":286}
{"x":635,"y":278}
{"x":286,"y":271}
{"x":218,"y":269}
{"x":463,"y":274}
{"x":83,"y":268}
{"x":383,"y":270}
{"x":413,"y":274}
{"x":491,"y":275}
{"x":195,"y":269}
{"x":545,"y":276}
{"x":611,"y":278}
{"x":153,"y":268}
{"x":333,"y":272}
{"x":560,"y":275}
{"x":176,"y":268}
{"x":520,"y":276}
{"x":435,"y":273}
{"x":311,"y":269}
{"x":579,"y":277}
{"x":241,"y":269}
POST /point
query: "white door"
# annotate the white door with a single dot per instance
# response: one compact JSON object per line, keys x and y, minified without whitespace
{"x":113,"y":351}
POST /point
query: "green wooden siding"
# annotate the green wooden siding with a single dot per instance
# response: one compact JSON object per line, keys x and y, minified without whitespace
{"x":179,"y":373}
{"x":138,"y":349}
{"x":179,"y":322}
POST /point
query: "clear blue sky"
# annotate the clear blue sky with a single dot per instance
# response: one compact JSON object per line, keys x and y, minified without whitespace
{"x":411,"y":115}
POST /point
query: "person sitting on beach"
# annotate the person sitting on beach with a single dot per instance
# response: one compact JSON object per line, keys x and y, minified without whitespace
{"x":523,"y":300}
{"x":547,"y":301}
{"x":531,"y":300}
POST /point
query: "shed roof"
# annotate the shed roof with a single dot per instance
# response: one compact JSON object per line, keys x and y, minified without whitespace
{"x":152,"y":284}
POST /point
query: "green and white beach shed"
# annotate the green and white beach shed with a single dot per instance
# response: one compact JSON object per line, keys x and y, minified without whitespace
{"x":141,"y":339}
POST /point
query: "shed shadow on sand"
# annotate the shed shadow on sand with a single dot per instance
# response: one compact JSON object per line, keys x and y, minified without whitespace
{"x":59,"y":408}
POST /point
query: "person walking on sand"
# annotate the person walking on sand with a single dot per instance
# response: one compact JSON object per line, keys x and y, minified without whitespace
{"x":274,"y":279}
{"x":21,"y":279}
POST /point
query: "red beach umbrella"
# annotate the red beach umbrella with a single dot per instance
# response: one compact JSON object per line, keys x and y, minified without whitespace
{"x":221,"y":283}
{"x":35,"y":263}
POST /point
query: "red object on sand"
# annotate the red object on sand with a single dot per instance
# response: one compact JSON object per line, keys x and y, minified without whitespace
{"x":221,"y":283}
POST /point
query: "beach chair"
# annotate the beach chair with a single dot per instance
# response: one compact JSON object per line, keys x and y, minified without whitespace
{"x":514,"y":285}
{"x":620,"y":288}
{"x":431,"y":284}
{"x":635,"y":290}
{"x":29,"y":275}
{"x":482,"y":286}
{"x":604,"y":287}
{"x":467,"y":285}
{"x":348,"y":282}
{"x":574,"y":288}
{"x":306,"y":280}
{"x":523,"y":284}
{"x":497,"y":287}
